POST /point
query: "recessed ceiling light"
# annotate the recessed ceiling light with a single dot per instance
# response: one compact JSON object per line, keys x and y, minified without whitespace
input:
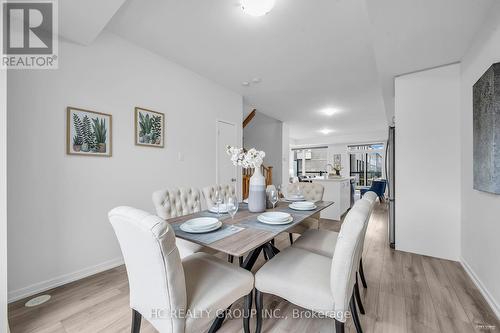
{"x":257,"y":7}
{"x":325,"y":131}
{"x":329,"y":111}
{"x":245,"y":83}
{"x":256,"y":80}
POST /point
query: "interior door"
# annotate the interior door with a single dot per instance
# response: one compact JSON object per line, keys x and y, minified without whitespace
{"x":226,"y":135}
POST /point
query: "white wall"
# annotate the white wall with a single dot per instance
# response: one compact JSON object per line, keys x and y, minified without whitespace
{"x":285,"y":151}
{"x":480,"y":210}
{"x":58,"y":204}
{"x":265,"y":133}
{"x":3,"y":200}
{"x":428,"y":162}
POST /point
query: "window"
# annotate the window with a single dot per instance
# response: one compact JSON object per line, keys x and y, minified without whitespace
{"x":310,"y":162}
{"x":366,"y":162}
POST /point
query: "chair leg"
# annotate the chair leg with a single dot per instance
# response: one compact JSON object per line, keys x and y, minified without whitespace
{"x":136,"y":321}
{"x":247,"y":312}
{"x":272,"y":241}
{"x":265,"y":255}
{"x":259,"y":299}
{"x":362,"y":273}
{"x":358,"y":297}
{"x":230,"y":258}
{"x":339,"y":326}
{"x":290,"y":236}
{"x":355,"y":317}
{"x":240,"y":259}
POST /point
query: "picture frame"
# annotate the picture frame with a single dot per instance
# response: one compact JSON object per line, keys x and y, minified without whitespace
{"x":88,"y":133}
{"x":486,"y":132}
{"x":149,"y":128}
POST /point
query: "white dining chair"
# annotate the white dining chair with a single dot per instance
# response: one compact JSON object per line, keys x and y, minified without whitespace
{"x":174,"y":295}
{"x":321,"y":284}
{"x":311,"y":192}
{"x":170,"y":203}
{"x":323,"y":242}
{"x":227,"y":190}
{"x":371,"y":196}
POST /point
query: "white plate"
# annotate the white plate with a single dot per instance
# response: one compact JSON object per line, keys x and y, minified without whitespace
{"x":275,"y":216}
{"x":292,"y":206}
{"x":201,"y":223}
{"x":290,"y":220}
{"x":222,"y":208}
{"x":304,"y":203}
{"x":185,"y":228}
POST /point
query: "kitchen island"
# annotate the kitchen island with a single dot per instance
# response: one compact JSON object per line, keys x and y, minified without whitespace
{"x":337,"y":190}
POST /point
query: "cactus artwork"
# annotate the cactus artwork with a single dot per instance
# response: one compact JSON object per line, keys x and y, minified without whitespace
{"x":89,"y":132}
{"x":149,"y":128}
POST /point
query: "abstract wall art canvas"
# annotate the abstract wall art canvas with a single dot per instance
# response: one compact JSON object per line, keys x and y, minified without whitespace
{"x":88,"y":133}
{"x":486,"y":131}
{"x":149,"y":128}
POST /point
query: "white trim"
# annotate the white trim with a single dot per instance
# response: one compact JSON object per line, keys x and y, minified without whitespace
{"x":39,"y":287}
{"x":217,"y":121}
{"x":486,"y":294}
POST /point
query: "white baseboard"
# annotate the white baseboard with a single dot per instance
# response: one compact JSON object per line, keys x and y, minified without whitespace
{"x":39,"y":287}
{"x":486,"y":294}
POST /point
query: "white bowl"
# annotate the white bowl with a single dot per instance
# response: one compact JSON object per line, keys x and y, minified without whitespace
{"x":295,"y":207}
{"x":201,"y":223}
{"x":275,"y":216}
{"x":200,"y":231}
{"x":289,"y":220}
{"x":304,"y":204}
{"x":222,"y":208}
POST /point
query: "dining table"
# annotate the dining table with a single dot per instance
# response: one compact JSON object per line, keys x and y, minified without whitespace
{"x":243,"y":235}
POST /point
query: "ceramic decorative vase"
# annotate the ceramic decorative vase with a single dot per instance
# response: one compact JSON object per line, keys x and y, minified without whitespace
{"x":257,"y":192}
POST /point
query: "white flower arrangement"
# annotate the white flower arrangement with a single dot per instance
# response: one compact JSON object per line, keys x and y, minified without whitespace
{"x":252,"y":158}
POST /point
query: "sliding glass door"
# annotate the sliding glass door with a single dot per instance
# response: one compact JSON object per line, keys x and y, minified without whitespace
{"x":366,"y":163}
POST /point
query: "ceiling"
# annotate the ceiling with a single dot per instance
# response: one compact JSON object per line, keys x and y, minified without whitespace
{"x":411,"y":35}
{"x":309,"y":55}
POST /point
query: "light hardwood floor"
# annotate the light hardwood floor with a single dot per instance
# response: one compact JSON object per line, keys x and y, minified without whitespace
{"x":406,"y":293}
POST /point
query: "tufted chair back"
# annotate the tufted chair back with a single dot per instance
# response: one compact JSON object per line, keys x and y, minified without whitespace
{"x":154,"y":267}
{"x":310,"y":191}
{"x":209,"y":193}
{"x":176,"y":202}
{"x":345,"y":262}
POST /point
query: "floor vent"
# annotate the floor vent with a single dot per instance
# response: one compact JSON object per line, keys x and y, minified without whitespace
{"x":37,"y":301}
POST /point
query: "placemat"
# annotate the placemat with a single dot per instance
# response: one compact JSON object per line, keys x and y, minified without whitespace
{"x":207,"y":238}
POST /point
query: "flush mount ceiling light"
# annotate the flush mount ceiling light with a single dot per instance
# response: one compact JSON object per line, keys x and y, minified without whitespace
{"x":325,"y":131}
{"x":329,"y":111}
{"x":257,"y":7}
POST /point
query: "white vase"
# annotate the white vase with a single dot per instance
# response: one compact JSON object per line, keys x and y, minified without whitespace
{"x":257,"y":192}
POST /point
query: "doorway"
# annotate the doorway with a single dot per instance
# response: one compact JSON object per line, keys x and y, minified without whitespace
{"x":225,"y":170}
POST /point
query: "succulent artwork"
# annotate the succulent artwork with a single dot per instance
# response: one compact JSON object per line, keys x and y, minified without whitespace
{"x":78,"y":137}
{"x":90,"y":134}
{"x":150,"y":128}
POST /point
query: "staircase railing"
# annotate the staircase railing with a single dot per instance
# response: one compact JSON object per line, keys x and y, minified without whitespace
{"x":267,"y":172}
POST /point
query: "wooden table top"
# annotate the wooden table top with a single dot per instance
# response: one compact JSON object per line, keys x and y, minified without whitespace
{"x":251,"y":237}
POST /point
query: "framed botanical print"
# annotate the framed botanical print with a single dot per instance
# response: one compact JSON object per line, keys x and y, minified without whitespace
{"x":149,"y":128}
{"x":88,"y":132}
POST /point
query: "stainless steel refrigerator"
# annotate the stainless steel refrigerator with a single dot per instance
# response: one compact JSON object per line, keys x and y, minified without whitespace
{"x":390,"y":154}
